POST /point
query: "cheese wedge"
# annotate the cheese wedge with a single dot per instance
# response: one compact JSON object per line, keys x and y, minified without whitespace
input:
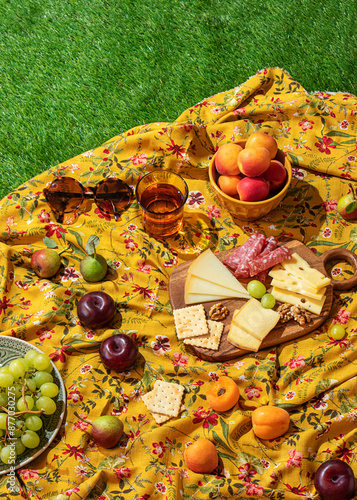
{"x":301,"y":269}
{"x":208,"y":267}
{"x":281,"y":274}
{"x":198,"y":298}
{"x":295,"y":299}
{"x":240,"y":338}
{"x":255,"y":319}
{"x":297,"y":286}
{"x":194,"y":285}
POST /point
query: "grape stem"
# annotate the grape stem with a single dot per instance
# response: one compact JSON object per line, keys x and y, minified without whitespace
{"x":33,"y":412}
{"x":83,"y":419}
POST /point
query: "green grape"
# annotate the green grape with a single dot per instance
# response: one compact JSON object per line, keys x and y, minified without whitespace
{"x":18,"y":390}
{"x":17,"y":368}
{"x":256,"y":289}
{"x":41,"y":361}
{"x":268,"y":301}
{"x":19,"y":424}
{"x":8,"y":455}
{"x":49,"y":369}
{"x":337,"y":332}
{"x":3,"y":399}
{"x":3,"y":417}
{"x":21,"y":406}
{"x":30,"y":439}
{"x":33,"y":422}
{"x":2,"y":432}
{"x":47,"y":404}
{"x":42,"y":377}
{"x":19,"y":447}
{"x":6,"y":379}
{"x":30,"y":356}
{"x":4,"y":369}
{"x":49,"y":389}
{"x":31,"y":385}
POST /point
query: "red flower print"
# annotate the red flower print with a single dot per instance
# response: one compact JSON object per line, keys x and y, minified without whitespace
{"x":180,"y":359}
{"x":213,"y":211}
{"x":296,"y":363}
{"x":60,"y":354}
{"x":139,"y":159}
{"x":44,"y":216}
{"x":75,"y":395}
{"x":253,"y":392}
{"x":245,"y":472}
{"x":176,"y":149}
{"x":121,"y":472}
{"x":52,"y":229}
{"x":161,"y":345}
{"x":159,"y":449}
{"x":330,"y":206}
{"x":295,"y":459}
{"x":147,"y":292}
{"x":324,"y":145}
{"x":130,"y":244}
{"x":202,"y":415}
{"x":195,"y":199}
{"x":342,"y":317}
{"x":4,"y":304}
{"x":344,"y":453}
{"x":160,"y":488}
{"x":254,"y":490}
{"x":297,"y":490}
{"x":306,"y":124}
{"x":74,"y":451}
{"x":101,"y":214}
{"x":29,"y":474}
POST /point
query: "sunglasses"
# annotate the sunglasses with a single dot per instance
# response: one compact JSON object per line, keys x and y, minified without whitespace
{"x":66,"y":195}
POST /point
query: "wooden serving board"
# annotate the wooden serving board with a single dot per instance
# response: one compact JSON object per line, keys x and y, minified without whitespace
{"x":283,"y":332}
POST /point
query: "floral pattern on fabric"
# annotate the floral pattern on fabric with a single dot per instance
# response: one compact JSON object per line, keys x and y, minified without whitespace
{"x":312,"y":377}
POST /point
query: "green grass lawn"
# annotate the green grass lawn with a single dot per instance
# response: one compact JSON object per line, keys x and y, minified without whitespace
{"x":74,"y":74}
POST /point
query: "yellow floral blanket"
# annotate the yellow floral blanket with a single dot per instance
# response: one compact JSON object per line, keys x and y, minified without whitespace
{"x":312,"y":377}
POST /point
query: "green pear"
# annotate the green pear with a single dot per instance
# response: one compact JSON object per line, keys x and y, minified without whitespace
{"x":93,"y":267}
{"x":106,"y":430}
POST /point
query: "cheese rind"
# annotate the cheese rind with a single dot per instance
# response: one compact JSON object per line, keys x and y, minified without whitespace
{"x":195,"y":285}
{"x":301,"y":269}
{"x":295,"y":299}
{"x":255,"y":319}
{"x":208,"y":267}
{"x":240,"y":338}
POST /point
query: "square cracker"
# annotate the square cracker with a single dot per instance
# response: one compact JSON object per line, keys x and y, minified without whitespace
{"x":166,"y":398}
{"x":190,"y":321}
{"x":210,"y":341}
{"x":159,"y":418}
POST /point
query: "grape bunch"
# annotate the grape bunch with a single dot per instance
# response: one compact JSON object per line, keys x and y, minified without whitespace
{"x":27,"y":391}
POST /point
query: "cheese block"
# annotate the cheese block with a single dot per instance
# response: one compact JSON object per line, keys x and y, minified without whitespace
{"x":281,"y":274}
{"x":295,"y":299}
{"x":242,"y":339}
{"x":297,"y":286}
{"x":255,"y":319}
{"x":194,"y":285}
{"x":198,"y":298}
{"x":208,"y":267}
{"x":301,"y":269}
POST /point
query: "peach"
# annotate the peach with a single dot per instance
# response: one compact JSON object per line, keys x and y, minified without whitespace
{"x":201,"y":456}
{"x":261,"y":139}
{"x":275,"y":175}
{"x":228,"y":184}
{"x":253,"y":189}
{"x":253,"y":161}
{"x":226,"y":159}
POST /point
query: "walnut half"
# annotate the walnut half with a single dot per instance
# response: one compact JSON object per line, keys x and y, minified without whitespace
{"x":218,"y":312}
{"x":288,"y":312}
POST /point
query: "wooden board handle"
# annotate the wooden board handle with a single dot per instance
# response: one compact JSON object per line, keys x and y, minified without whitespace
{"x":341,"y":254}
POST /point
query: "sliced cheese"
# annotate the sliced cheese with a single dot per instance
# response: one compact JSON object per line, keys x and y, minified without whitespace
{"x":196,"y":285}
{"x":295,"y":299}
{"x":255,"y":319}
{"x":301,"y":269}
{"x":208,"y":267}
{"x":197,"y":298}
{"x":281,"y":274}
{"x":297,"y":286}
{"x":240,"y":338}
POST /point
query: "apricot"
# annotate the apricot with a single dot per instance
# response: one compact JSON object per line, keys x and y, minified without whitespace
{"x":261,"y":139}
{"x":253,"y":161}
{"x":228,"y":184}
{"x":226,"y":159}
{"x":253,"y":189}
{"x":275,"y":175}
{"x":270,"y":422}
{"x":201,"y":456}
{"x":223,"y":394}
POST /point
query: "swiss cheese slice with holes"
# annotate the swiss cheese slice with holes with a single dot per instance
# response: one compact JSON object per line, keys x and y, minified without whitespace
{"x":297,"y":286}
{"x":301,"y":269}
{"x":296,"y":299}
{"x":209,"y":268}
{"x":281,"y":274}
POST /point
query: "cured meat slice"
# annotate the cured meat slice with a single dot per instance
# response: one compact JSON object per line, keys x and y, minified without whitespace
{"x":270,"y":245}
{"x":268,"y":260}
{"x":241,"y":253}
{"x":254,"y":249}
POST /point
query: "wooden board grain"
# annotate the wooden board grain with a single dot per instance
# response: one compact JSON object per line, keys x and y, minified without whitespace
{"x":283,"y":332}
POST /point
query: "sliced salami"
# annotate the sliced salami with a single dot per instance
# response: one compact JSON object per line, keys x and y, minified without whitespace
{"x":268,"y":260}
{"x":241,"y":253}
{"x":270,"y":245}
{"x":255,"y":248}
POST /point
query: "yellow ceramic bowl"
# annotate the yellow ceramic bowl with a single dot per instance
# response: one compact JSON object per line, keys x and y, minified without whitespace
{"x":250,"y":210}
